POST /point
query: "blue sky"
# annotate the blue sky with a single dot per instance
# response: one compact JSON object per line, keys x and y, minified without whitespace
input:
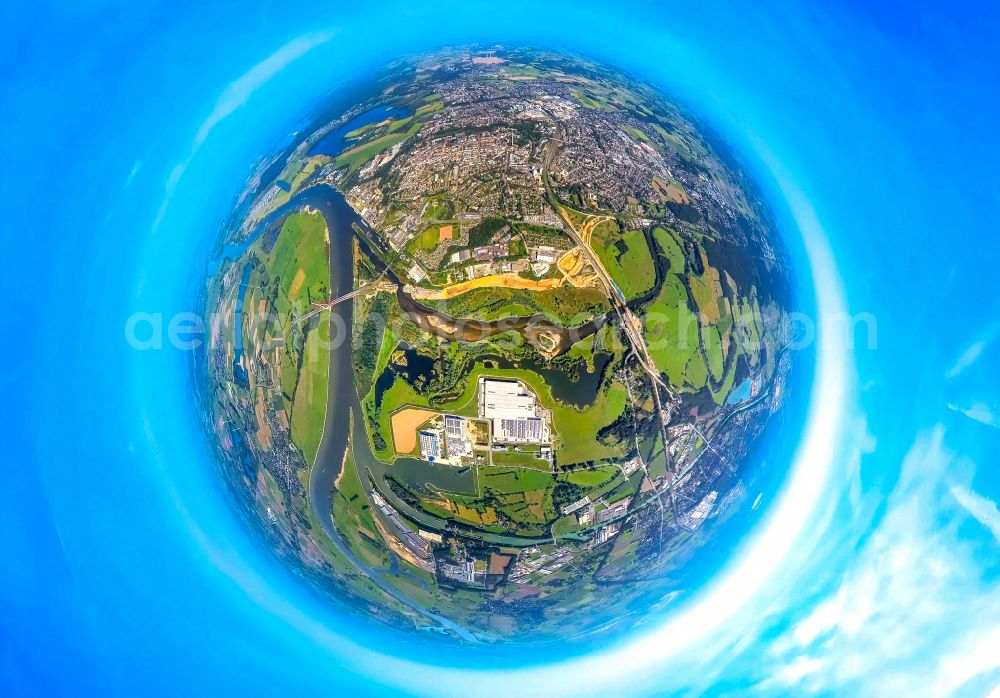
{"x":127,"y":130}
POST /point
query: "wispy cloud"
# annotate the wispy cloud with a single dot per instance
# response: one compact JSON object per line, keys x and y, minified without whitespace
{"x":912,"y":614}
{"x":983,"y":510}
{"x":236,"y":94}
{"x":968,"y":357}
{"x":980,"y":412}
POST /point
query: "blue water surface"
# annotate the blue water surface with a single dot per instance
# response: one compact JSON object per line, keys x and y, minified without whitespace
{"x":336,"y":141}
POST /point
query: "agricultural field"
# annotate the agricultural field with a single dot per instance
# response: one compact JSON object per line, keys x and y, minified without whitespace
{"x":309,"y":407}
{"x":289,"y":277}
{"x":671,"y":330}
{"x":626,"y":257}
{"x":529,"y":460}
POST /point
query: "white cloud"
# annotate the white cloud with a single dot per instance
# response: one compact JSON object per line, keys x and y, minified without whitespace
{"x":911,"y":614}
{"x":980,"y":412}
{"x":239,"y":91}
{"x":968,"y":357}
{"x":983,"y":510}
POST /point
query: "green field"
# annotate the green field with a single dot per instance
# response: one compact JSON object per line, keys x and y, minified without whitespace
{"x":671,"y":332}
{"x":592,"y":478}
{"x":587,"y":100}
{"x":578,"y":429}
{"x":670,"y":248}
{"x":439,"y":209}
{"x":426,"y":241}
{"x":729,"y":380}
{"x":521,"y":71}
{"x":565,"y":525}
{"x":360,"y":154}
{"x":637,"y":134}
{"x":522,"y":495}
{"x":626,"y":257}
{"x":301,"y":244}
{"x":309,"y":408}
{"x":352,"y":517}
{"x":434,"y":104}
{"x":713,"y":349}
{"x":512,"y":480}
{"x":529,"y":460}
{"x":298,"y":264}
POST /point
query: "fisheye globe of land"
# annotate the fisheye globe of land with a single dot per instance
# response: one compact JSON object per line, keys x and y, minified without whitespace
{"x":492,"y":341}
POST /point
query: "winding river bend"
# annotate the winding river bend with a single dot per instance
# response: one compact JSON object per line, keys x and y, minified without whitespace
{"x":342,"y":398}
{"x":333,"y":447}
{"x":549,"y":338}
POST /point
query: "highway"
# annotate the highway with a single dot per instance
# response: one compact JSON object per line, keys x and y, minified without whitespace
{"x":630,"y":323}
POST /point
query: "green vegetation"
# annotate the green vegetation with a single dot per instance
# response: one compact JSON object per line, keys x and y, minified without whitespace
{"x":637,"y":134}
{"x":728,"y":381}
{"x":301,"y":245}
{"x":353,"y":517}
{"x":566,"y":305}
{"x":295,"y":274}
{"x":671,"y":332}
{"x":577,"y":218}
{"x":592,"y":478}
{"x":309,"y":408}
{"x":713,"y":349}
{"x":695,"y":373}
{"x":707,"y":327}
{"x":360,"y":154}
{"x":511,"y":480}
{"x":426,"y":241}
{"x":564,"y":526}
{"x":626,"y":257}
{"x":521,"y":71}
{"x":482,"y":233}
{"x":439,"y":209}
{"x":588,"y":101}
{"x":519,"y":458}
{"x":670,"y":248}
{"x":577,"y":429}
{"x":706,"y":292}
{"x":435,"y":104}
{"x":400,"y":124}
{"x":372,"y":343}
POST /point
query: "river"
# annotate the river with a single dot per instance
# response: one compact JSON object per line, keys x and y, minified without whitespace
{"x":341,"y":397}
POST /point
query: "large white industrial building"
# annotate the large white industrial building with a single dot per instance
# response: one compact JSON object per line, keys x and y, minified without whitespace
{"x":513,"y":410}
